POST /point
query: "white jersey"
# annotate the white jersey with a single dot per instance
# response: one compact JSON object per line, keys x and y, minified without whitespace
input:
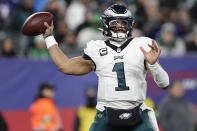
{"x":121,"y":72}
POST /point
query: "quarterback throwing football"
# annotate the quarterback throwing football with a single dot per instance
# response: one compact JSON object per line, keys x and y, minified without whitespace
{"x":121,"y":63}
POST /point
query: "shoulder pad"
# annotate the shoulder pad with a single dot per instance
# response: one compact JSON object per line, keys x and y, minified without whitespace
{"x":143,"y":38}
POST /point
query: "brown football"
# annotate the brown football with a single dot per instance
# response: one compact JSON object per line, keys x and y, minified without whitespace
{"x":34,"y":24}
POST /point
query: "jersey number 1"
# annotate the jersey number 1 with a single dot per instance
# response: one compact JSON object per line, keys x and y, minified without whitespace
{"x":119,"y":69}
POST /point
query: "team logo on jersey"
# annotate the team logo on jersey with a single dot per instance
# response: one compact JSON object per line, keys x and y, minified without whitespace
{"x":118,"y":57}
{"x":125,"y":116}
{"x":103,"y":51}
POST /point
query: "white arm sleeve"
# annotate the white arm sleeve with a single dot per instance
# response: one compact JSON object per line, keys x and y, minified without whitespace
{"x":160,"y":76}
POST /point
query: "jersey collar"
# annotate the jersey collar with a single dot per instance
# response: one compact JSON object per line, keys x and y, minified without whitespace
{"x":118,"y":49}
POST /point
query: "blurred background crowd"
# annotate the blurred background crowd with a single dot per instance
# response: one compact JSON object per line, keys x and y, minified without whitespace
{"x":171,"y":23}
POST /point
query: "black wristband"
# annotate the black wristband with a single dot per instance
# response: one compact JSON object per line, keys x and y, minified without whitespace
{"x":48,"y":36}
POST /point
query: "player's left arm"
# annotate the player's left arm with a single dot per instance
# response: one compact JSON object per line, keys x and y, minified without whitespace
{"x":159,"y":75}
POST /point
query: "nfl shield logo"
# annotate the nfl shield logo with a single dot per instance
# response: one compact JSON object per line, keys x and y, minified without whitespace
{"x":118,"y":50}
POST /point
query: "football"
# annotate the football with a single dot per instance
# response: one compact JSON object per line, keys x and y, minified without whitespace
{"x":34,"y":24}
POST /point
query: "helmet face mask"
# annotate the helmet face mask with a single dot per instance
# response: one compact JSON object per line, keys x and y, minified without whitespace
{"x":117,"y":22}
{"x":119,"y":25}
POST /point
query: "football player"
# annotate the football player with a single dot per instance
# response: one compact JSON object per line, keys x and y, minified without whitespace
{"x":121,"y":63}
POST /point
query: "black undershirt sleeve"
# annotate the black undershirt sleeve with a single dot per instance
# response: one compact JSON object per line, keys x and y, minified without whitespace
{"x":86,"y":57}
{"x":145,"y":65}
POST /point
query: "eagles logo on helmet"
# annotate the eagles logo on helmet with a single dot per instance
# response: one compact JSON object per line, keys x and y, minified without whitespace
{"x":117,"y":22}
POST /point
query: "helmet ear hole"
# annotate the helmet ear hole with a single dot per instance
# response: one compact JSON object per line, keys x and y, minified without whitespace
{"x":117,"y":12}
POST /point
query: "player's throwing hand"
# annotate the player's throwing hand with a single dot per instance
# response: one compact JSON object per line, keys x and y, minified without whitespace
{"x":49,"y":29}
{"x":153,"y":55}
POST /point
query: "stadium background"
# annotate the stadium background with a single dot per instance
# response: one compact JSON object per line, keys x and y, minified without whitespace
{"x":21,"y":73}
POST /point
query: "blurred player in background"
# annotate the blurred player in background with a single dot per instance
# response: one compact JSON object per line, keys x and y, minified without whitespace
{"x":45,"y":116}
{"x":86,"y":113}
{"x":176,"y":113}
{"x":121,"y":63}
